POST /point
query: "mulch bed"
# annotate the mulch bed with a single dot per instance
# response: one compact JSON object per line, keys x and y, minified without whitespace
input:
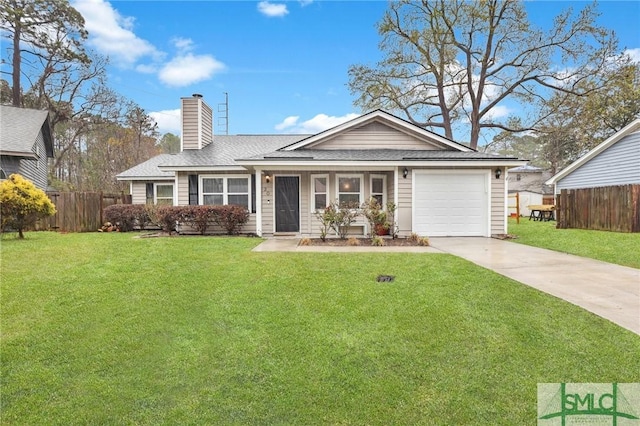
{"x":388,"y":242}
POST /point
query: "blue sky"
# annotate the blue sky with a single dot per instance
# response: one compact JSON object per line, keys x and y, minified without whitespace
{"x":283,"y":64}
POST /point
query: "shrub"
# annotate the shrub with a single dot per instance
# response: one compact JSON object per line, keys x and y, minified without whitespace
{"x":231,"y":218}
{"x":305,"y":242}
{"x":127,"y":216}
{"x":345,"y":215}
{"x":391,"y":219}
{"x":22,"y":203}
{"x":198,"y":217}
{"x":353,"y":241}
{"x":377,"y":241}
{"x":424,"y":241}
{"x":377,"y":218}
{"x":166,"y":217}
{"x":414,"y":237}
{"x":326,"y":218}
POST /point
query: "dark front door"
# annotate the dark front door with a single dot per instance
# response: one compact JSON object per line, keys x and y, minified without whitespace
{"x":287,"y":192}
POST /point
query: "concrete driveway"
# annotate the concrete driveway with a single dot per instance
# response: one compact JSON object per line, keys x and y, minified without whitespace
{"x":610,"y":291}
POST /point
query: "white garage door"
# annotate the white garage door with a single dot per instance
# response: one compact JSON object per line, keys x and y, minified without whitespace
{"x":451,"y":203}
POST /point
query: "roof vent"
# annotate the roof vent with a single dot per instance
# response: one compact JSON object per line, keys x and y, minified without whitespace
{"x":197,"y":95}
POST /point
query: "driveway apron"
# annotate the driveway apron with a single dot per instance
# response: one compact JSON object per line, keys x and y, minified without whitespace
{"x":608,"y":290}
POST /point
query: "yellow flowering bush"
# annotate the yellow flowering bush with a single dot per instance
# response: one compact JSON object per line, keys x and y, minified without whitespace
{"x":21,"y":204}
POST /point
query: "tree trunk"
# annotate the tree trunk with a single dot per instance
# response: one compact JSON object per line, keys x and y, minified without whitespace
{"x":15,"y":90}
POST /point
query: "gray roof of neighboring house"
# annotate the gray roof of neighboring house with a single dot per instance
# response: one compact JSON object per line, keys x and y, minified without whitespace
{"x":374,"y":155}
{"x":526,"y":169}
{"x":19,"y":128}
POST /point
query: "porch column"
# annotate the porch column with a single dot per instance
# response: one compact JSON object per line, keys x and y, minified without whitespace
{"x":258,"y":173}
{"x":395,"y":191}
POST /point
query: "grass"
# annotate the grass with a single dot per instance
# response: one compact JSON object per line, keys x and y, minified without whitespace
{"x":108,"y":329}
{"x":614,"y":247}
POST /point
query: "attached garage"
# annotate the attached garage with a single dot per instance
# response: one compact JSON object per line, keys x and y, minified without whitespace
{"x":451,"y":203}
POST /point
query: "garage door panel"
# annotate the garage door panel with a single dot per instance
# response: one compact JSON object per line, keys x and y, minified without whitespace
{"x":451,"y":203}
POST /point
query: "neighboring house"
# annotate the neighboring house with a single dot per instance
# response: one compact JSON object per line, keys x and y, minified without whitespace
{"x":26,"y":143}
{"x":529,"y":178}
{"x":440,"y":187}
{"x":616,"y":161}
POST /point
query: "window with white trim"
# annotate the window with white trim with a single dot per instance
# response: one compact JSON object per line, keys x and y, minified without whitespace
{"x":163,"y":194}
{"x":378,"y":189}
{"x":349,"y":189}
{"x":221,"y":190}
{"x":319,"y":191}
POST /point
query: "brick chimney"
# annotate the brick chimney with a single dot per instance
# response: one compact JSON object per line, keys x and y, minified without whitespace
{"x":197,"y":123}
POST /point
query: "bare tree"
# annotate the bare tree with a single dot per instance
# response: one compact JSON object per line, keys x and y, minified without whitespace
{"x":454,"y":61}
{"x":41,"y":29}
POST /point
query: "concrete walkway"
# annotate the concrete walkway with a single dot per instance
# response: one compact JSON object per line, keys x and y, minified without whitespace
{"x":608,"y":290}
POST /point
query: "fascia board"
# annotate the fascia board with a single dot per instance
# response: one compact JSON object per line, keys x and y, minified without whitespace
{"x":154,"y":178}
{"x":22,"y":154}
{"x":375,"y":164}
{"x":200,"y":168}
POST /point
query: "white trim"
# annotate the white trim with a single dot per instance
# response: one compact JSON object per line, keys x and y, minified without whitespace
{"x":274,"y":177}
{"x":312,"y":193}
{"x":203,"y":168}
{"x":384,"y":188}
{"x":347,"y":165}
{"x":225,"y":193}
{"x":155,"y":191}
{"x":629,"y":129}
{"x":487,"y":188}
{"x":385,"y":118}
{"x":350,"y":175}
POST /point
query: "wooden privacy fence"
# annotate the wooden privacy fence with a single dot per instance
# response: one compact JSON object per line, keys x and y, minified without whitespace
{"x":609,"y":208}
{"x":80,"y":211}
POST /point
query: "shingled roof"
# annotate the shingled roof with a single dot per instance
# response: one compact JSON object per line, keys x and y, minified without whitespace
{"x":20,"y":128}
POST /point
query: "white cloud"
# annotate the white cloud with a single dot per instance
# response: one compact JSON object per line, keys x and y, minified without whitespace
{"x":317,"y":124}
{"x":634,"y":54}
{"x":272,"y":9}
{"x":288,"y":122}
{"x":183,"y":44}
{"x":186,"y":69}
{"x":497,"y":112}
{"x":168,"y":121}
{"x":112,"y":34}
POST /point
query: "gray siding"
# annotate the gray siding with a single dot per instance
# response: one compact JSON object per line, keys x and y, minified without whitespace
{"x":372,"y":136}
{"x":34,"y":170}
{"x":617,"y":165}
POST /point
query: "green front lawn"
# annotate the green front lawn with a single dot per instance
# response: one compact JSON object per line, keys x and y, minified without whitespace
{"x":614,"y":247}
{"x":111,"y":329}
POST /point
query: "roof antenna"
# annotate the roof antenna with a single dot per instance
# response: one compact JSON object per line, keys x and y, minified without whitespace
{"x":223,"y":114}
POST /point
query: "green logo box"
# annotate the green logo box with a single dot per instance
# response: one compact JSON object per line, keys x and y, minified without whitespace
{"x":616,"y":404}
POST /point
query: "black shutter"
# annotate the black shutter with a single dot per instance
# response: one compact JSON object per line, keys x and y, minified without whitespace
{"x":150,"y":193}
{"x":253,"y":193}
{"x":193,"y":190}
